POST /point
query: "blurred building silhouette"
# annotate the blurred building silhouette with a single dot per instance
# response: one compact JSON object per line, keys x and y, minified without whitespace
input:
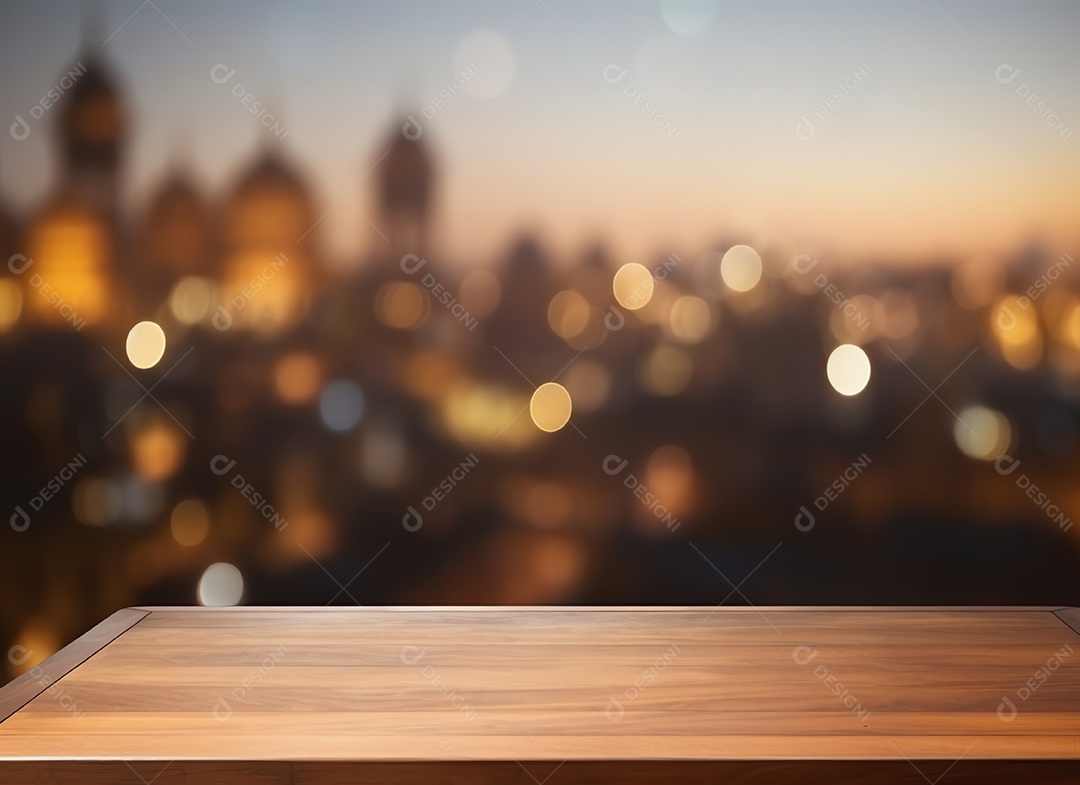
{"x":339,"y":402}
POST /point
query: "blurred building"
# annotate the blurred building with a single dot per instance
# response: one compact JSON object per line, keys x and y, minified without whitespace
{"x":375,"y":436}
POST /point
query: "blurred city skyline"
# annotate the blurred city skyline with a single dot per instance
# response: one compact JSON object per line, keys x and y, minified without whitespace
{"x":908,"y":132}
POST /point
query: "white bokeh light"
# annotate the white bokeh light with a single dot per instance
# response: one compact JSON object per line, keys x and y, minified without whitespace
{"x":848,"y":369}
{"x":741,"y":268}
{"x":221,"y":585}
{"x":688,"y":17}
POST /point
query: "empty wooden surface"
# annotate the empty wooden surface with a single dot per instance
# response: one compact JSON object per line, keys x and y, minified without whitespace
{"x":563,"y":695}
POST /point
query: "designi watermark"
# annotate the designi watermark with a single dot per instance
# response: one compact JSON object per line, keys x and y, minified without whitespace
{"x":614,"y":74}
{"x":613,"y":466}
{"x":804,"y":128}
{"x":804,"y":518}
{"x":804,"y":655}
{"x":20,"y":129}
{"x":223,"y":710}
{"x":411,"y":655}
{"x":615,"y":710}
{"x":1007,"y":318}
{"x":412,"y":129}
{"x":615,"y":319}
{"x":19,"y":264}
{"x":223,"y":317}
{"x":804,"y":264}
{"x":222,"y":74}
{"x":1006,"y":75}
{"x":412,"y":520}
{"x":19,"y":654}
{"x":411,"y":264}
{"x":222,"y":465}
{"x":1006,"y":465}
{"x":20,"y":519}
{"x":1007,"y":709}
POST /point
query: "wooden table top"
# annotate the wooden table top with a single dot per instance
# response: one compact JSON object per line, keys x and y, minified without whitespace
{"x":524,"y":688}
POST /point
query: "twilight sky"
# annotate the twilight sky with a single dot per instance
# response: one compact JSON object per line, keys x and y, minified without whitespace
{"x":936,"y":144}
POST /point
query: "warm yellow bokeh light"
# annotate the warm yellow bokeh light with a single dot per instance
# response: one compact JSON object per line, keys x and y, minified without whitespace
{"x":550,"y":407}
{"x":633,"y":286}
{"x":190,"y":522}
{"x":848,"y":369}
{"x":297,"y":377}
{"x":401,"y":304}
{"x":589,"y":384}
{"x":741,"y":268}
{"x":157,"y":451}
{"x":568,"y":314}
{"x":1015,"y":324}
{"x":190,"y":299}
{"x":982,"y":433}
{"x":145,"y":344}
{"x":666,"y":370}
{"x":690,"y":319}
{"x":11,"y":301}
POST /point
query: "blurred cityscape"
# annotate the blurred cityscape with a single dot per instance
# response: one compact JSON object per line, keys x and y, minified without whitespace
{"x":200,"y":406}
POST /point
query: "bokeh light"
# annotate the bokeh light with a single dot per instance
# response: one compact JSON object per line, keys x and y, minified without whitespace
{"x":568,"y":314}
{"x":341,"y":405}
{"x":190,"y":522}
{"x":97,"y":502}
{"x":550,"y":407}
{"x":401,"y":304}
{"x":982,"y":433}
{"x":191,"y":299}
{"x":633,"y":286}
{"x":297,"y":377}
{"x":11,"y":302}
{"x":690,"y":319}
{"x":848,"y":369}
{"x":688,"y":17}
{"x":1014,"y":322}
{"x":666,"y":370}
{"x":741,"y":268}
{"x":157,"y":450}
{"x":145,"y":345}
{"x":221,"y":585}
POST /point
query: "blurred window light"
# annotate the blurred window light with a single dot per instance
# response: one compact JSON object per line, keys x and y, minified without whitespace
{"x":11,"y":302}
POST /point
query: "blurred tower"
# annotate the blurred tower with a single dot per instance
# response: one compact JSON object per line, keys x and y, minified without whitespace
{"x":405,"y":194}
{"x":268,"y":246}
{"x":73,"y":241}
{"x":174,"y":240}
{"x":93,"y":131}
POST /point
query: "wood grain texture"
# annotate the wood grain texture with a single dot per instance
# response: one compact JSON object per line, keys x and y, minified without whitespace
{"x":16,"y":694}
{"x":501,"y":695}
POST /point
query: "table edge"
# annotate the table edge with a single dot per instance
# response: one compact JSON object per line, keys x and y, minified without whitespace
{"x":24,"y":688}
